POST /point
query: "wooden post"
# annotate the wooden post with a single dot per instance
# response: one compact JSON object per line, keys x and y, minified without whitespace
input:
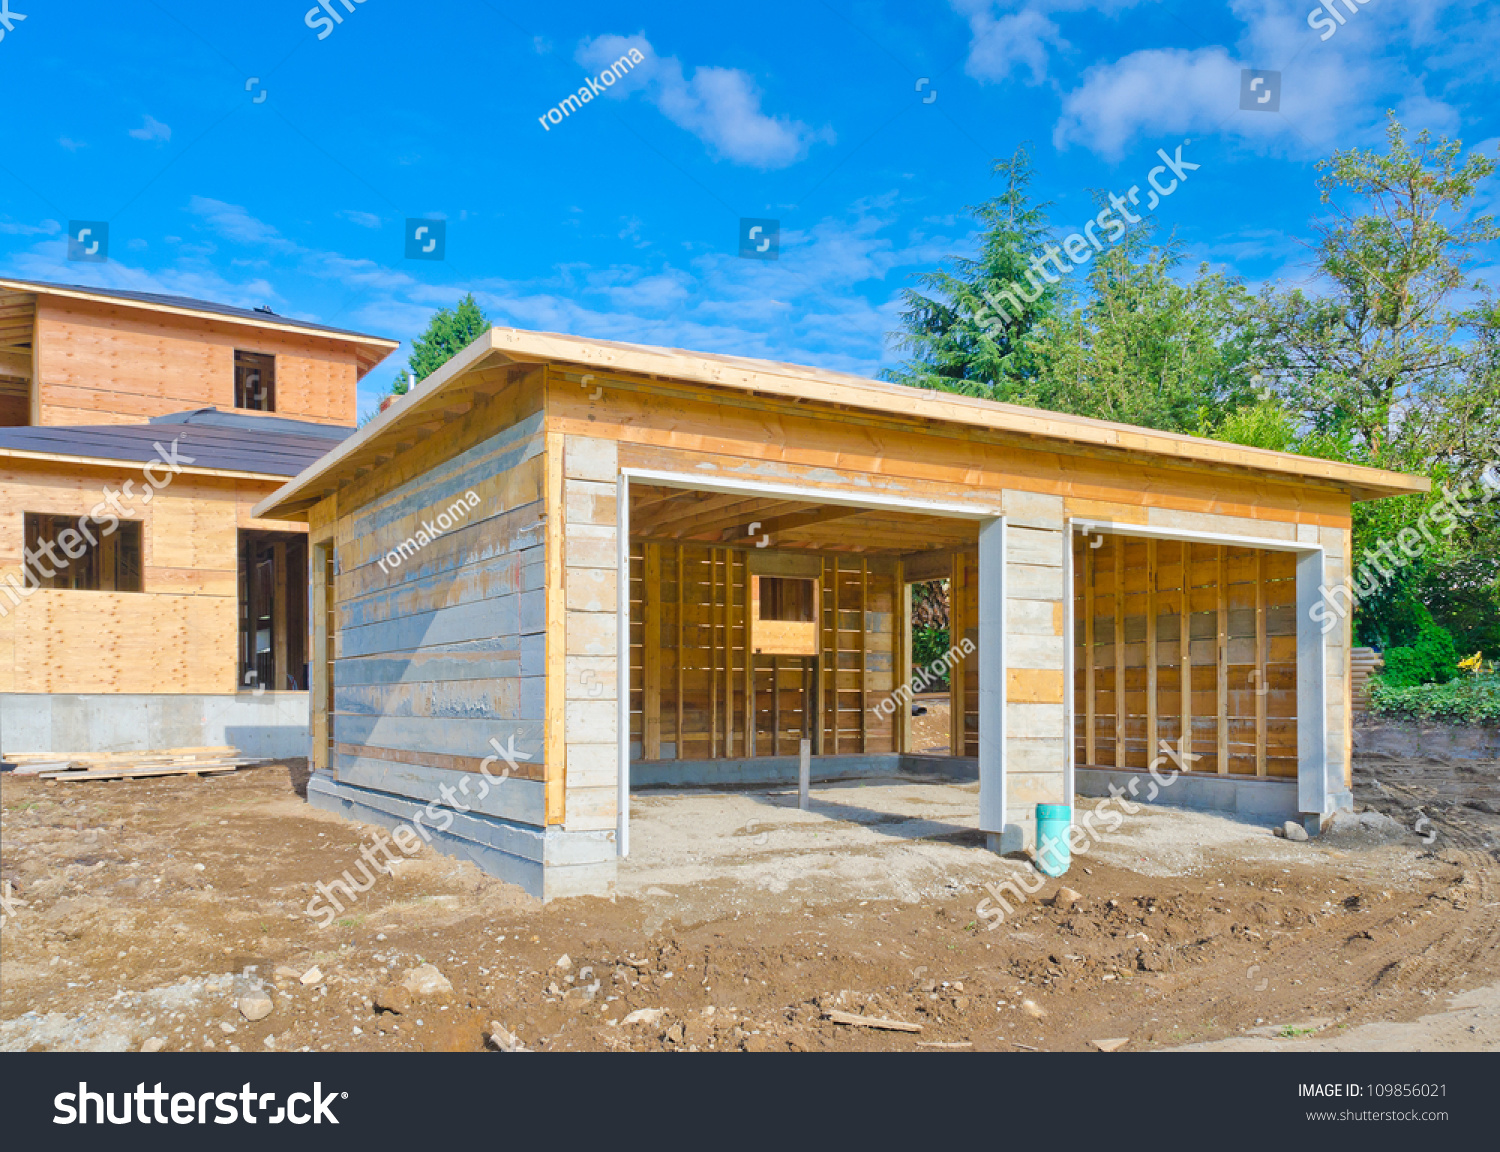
{"x":681,"y":653}
{"x":1185,"y":741}
{"x":1221,"y":656}
{"x":729,"y":556}
{"x":1261,"y":687}
{"x":864,"y":656}
{"x":713,"y":653}
{"x":749,"y":663}
{"x":651,"y":653}
{"x":1090,"y":733}
{"x":804,"y":772}
{"x":1151,"y":736}
{"x":775,"y":705}
{"x":836,"y":661}
{"x":1118,"y":544}
{"x":901,"y":659}
{"x":279,"y":617}
{"x":956,"y":623}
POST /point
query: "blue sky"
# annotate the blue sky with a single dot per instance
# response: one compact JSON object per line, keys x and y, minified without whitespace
{"x":238,"y":157}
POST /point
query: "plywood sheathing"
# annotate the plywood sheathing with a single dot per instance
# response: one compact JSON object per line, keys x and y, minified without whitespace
{"x":113,"y":364}
{"x":178,"y":636}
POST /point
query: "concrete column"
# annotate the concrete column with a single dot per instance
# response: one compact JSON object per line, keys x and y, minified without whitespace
{"x":1316,"y":789}
{"x":992,"y":666}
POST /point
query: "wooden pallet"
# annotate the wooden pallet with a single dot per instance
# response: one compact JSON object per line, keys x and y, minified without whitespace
{"x":114,"y":759}
{"x":141,"y":771}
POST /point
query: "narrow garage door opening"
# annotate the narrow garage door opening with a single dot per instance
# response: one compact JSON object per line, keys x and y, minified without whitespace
{"x":1185,"y":646}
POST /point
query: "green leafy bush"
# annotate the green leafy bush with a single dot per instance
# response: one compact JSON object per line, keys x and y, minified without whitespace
{"x":1469,"y":700}
{"x":928,"y":646}
{"x":1431,"y":658}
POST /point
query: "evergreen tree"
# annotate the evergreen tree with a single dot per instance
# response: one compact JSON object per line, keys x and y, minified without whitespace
{"x":448,"y":333}
{"x":966,"y":332}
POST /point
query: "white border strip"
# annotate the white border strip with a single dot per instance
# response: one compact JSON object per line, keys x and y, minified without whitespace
{"x":811,"y":495}
{"x":1147,"y":531}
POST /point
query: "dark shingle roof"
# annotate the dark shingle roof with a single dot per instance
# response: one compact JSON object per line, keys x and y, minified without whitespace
{"x":187,"y":302}
{"x":225,"y":441}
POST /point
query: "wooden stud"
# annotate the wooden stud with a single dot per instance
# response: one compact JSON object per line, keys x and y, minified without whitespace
{"x":901,"y":659}
{"x":713,"y":652}
{"x":837,"y":662}
{"x":749,"y":664}
{"x":729,"y":585}
{"x":1151,"y":609}
{"x":681,"y":652}
{"x":775,"y":705}
{"x":1090,"y":733}
{"x":864,"y":657}
{"x":1118,"y":543}
{"x":1185,"y":741}
{"x":1221,"y":656}
{"x":1261,"y":687}
{"x":651,"y":654}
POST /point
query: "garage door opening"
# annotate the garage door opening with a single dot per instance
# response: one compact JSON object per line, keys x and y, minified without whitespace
{"x":757,"y":622}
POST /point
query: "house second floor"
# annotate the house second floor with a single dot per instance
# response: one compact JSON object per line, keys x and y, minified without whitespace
{"x":73,"y":355}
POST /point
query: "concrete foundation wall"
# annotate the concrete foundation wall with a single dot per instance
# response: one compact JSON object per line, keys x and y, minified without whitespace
{"x":1270,"y":800}
{"x":773,"y":770}
{"x":546,"y":863}
{"x":271,"y":725}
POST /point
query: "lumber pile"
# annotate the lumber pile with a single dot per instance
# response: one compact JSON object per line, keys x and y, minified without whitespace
{"x":1363,"y":663}
{"x":131,"y":765}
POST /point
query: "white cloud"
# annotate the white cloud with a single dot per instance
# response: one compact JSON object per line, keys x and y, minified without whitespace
{"x":363,"y":219}
{"x":1002,"y":42}
{"x":71,"y":145}
{"x":721,"y":106}
{"x":1007,"y":34}
{"x":1333,"y":93}
{"x":15,"y":228}
{"x":152,"y":129}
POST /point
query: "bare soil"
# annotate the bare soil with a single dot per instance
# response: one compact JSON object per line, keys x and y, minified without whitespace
{"x":144,"y":910}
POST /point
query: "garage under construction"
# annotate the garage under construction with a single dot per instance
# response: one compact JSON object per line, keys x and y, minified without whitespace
{"x":563,"y":567}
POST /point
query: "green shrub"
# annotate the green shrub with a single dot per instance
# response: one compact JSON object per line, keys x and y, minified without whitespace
{"x":928,"y":646}
{"x":1431,"y":658}
{"x":1468,"y":700}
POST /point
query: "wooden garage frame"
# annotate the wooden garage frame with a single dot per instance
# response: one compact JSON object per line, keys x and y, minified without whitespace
{"x":991,"y":537}
{"x":1317,"y":774}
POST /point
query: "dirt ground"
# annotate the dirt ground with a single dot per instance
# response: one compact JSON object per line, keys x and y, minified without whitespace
{"x":141,"y":913}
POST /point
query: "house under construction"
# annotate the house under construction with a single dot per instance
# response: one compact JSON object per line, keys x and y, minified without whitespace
{"x":672,"y":567}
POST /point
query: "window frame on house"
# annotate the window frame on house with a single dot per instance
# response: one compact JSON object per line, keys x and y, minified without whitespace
{"x":262,"y":365}
{"x":114,"y":562}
